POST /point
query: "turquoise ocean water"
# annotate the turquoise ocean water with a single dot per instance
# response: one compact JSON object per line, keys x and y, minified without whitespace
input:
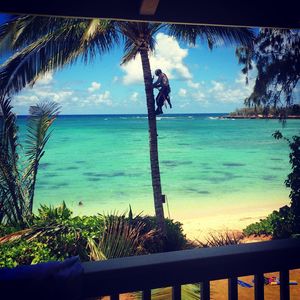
{"x":207,"y":164}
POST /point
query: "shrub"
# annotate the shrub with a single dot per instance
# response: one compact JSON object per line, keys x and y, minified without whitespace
{"x":89,"y":226}
{"x":5,"y":230}
{"x":221,"y":238}
{"x":278,"y":224}
{"x":25,"y":253}
{"x":49,"y":214}
{"x":61,"y":236}
{"x":173,"y":241}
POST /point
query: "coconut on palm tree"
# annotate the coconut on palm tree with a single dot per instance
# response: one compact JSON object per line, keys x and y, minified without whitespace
{"x":43,"y":44}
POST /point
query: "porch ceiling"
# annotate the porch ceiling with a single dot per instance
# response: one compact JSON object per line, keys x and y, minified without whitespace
{"x":218,"y":12}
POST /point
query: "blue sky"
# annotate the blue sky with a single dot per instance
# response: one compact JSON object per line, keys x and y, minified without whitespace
{"x":201,"y":81}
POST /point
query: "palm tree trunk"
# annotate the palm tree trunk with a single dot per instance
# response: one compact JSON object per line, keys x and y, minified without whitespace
{"x":154,"y":162}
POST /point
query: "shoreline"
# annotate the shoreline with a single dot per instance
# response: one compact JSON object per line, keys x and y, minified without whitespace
{"x":200,"y":228}
{"x":198,"y":220}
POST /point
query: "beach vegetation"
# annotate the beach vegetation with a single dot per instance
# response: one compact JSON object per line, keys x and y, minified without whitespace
{"x":278,"y":224}
{"x":293,"y":179}
{"x":18,"y":177}
{"x":25,"y":252}
{"x":119,"y":238}
{"x":220,"y":238}
{"x":173,"y":240}
{"x":90,"y":237}
{"x":50,"y":43}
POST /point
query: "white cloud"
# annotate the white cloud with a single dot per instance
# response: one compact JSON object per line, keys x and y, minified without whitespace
{"x":216,"y":91}
{"x":217,"y":86}
{"x":168,"y":56}
{"x":94,"y":86}
{"x":98,"y":99}
{"x":33,"y":96}
{"x":134,"y":97}
{"x":45,"y":80}
{"x":183,"y":105}
{"x":221,"y":92}
{"x":26,"y":100}
{"x":182,"y":93}
{"x":115,"y":79}
{"x":194,"y":85}
{"x":199,"y":96}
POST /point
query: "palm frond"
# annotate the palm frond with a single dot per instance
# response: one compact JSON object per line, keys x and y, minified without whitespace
{"x":12,"y":197}
{"x":130,"y":51}
{"x":119,"y":239}
{"x":99,"y":36}
{"x":212,"y":34}
{"x":9,"y":32}
{"x":137,"y":36}
{"x":8,"y":132}
{"x":61,"y":45}
{"x":25,"y":66}
{"x":221,"y":238}
{"x":41,"y":117}
{"x":22,"y":30}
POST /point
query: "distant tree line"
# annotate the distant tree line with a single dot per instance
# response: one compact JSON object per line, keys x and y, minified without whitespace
{"x":293,"y":110}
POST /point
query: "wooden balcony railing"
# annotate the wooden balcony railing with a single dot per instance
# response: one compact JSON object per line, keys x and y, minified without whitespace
{"x":173,"y":269}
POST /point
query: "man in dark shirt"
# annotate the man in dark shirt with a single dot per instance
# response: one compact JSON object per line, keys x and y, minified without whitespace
{"x":162,"y":83}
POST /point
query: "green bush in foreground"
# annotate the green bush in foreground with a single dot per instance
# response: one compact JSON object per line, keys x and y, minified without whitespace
{"x":278,"y":224}
{"x":56,"y":235}
{"x":173,"y":241}
{"x":25,"y":252}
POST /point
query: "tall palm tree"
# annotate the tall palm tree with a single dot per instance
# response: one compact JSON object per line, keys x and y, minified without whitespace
{"x":49,"y":43}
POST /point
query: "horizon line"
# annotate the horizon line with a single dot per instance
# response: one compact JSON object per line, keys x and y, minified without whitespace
{"x":134,"y":114}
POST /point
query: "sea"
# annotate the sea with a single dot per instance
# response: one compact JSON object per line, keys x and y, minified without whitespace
{"x":100,"y":164}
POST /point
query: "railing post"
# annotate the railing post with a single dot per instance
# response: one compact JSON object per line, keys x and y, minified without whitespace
{"x":284,"y":285}
{"x":176,"y":292}
{"x":232,"y":289}
{"x":205,"y":290}
{"x":146,"y":295}
{"x":259,"y":286}
{"x":114,"y":297}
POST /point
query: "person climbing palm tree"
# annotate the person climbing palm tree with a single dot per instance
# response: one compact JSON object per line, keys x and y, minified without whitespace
{"x":162,"y":83}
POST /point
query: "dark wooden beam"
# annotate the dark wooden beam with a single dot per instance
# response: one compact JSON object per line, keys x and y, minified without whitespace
{"x":148,"y":7}
{"x":261,"y":13}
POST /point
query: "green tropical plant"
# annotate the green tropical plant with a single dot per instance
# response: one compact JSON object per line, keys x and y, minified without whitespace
{"x":293,"y":179}
{"x":24,"y":252}
{"x":278,"y":224}
{"x":17,"y":183}
{"x":221,"y":238}
{"x":49,"y":214}
{"x":174,"y":239}
{"x":49,"y":43}
{"x":120,"y":237}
